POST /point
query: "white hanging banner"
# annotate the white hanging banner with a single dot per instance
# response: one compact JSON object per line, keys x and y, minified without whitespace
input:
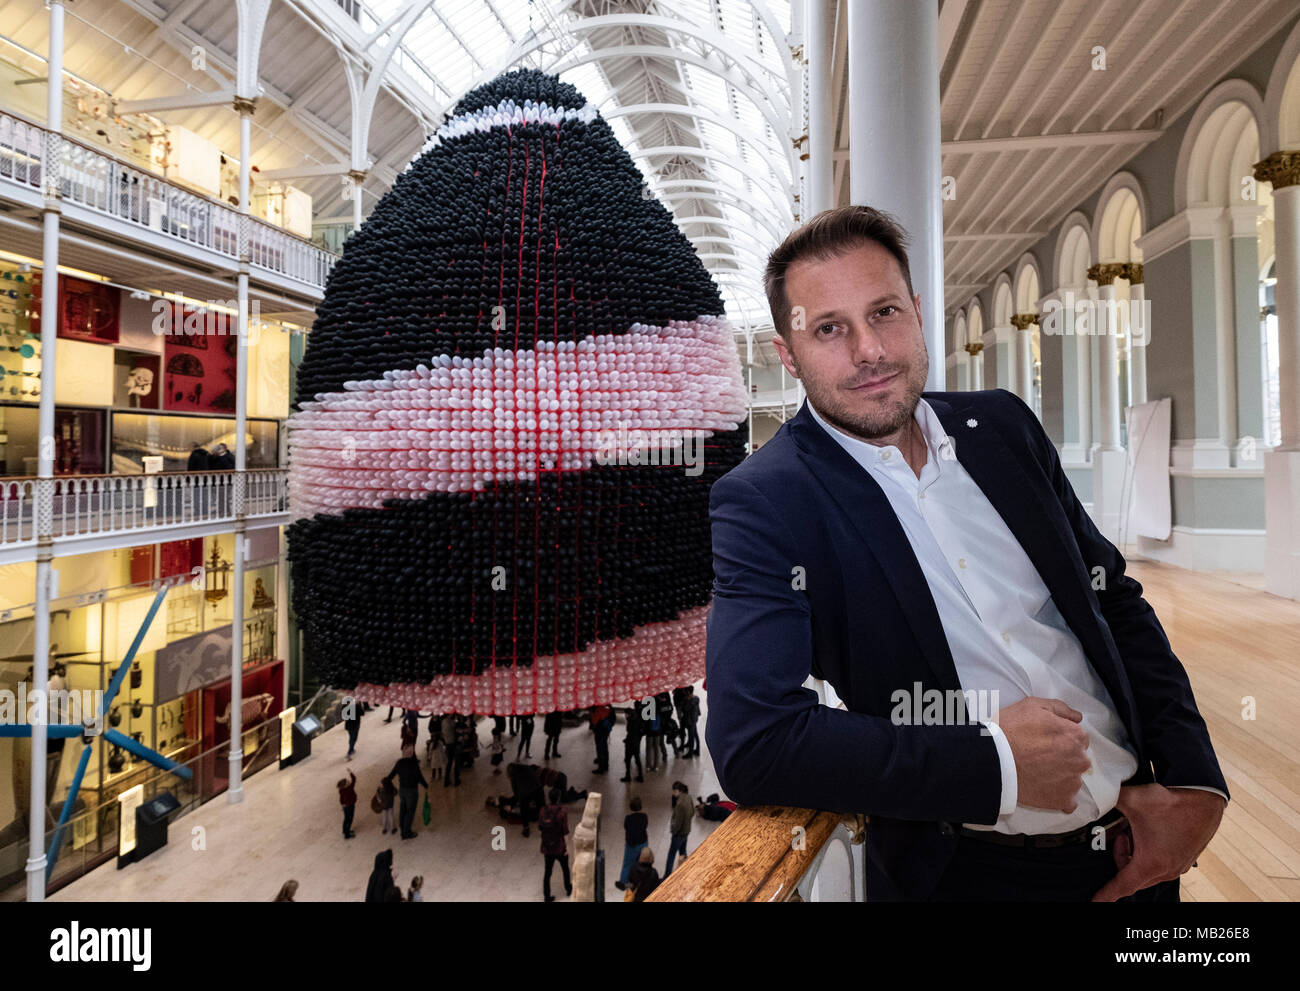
{"x":1150,"y":510}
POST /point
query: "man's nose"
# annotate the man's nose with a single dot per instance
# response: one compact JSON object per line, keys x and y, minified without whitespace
{"x":866,"y":345}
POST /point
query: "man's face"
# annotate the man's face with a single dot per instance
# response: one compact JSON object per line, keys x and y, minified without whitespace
{"x":856,"y":342}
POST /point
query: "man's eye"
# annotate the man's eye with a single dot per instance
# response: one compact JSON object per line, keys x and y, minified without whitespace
{"x":887,"y":311}
{"x":826,"y":326}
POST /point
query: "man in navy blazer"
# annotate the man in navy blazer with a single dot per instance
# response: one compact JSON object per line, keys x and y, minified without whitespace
{"x":830,"y":561}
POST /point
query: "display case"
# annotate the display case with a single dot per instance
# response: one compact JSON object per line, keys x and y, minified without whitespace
{"x":173,"y":438}
{"x":136,"y":382}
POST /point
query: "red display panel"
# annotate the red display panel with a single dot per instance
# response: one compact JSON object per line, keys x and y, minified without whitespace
{"x":88,"y":311}
{"x":199,"y":362}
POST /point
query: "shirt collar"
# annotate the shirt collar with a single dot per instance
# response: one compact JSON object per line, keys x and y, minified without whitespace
{"x":936,"y":438}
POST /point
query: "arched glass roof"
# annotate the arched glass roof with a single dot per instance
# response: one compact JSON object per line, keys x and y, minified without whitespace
{"x":702,"y":94}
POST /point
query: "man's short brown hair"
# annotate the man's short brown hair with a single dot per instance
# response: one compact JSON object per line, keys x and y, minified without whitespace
{"x":830,"y":233}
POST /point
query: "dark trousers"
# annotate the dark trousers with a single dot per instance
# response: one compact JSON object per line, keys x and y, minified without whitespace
{"x":453,"y":767}
{"x":406,"y":815}
{"x":353,"y":729}
{"x":514,"y":725}
{"x":986,"y":872}
{"x":552,"y":748}
{"x":692,"y":738}
{"x":602,"y":750}
{"x":551,"y":860}
{"x":675,"y":846}
{"x":632,"y":754}
{"x":525,"y":741}
{"x":348,"y":812}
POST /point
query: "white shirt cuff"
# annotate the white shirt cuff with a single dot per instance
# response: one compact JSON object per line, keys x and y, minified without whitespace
{"x":1203,"y":788}
{"x":1010,"y":784}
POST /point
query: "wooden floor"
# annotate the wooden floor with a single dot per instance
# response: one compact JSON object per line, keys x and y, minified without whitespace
{"x":1240,"y":644}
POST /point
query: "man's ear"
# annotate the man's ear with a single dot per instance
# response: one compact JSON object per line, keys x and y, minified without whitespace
{"x":785,"y":354}
{"x":916,"y":301}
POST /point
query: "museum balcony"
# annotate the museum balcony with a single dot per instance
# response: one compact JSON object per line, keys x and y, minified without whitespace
{"x":90,"y":513}
{"x":114,"y":203}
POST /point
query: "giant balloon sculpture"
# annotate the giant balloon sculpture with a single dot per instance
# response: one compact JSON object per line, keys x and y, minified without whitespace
{"x":517,"y":393}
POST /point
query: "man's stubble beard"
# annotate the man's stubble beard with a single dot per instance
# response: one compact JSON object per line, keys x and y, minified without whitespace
{"x":888,"y":419}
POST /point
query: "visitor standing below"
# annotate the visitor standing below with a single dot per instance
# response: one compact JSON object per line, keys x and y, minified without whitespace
{"x":552,"y":726}
{"x":636,"y":825}
{"x":643,"y":878}
{"x":352,"y":723}
{"x":602,"y":721}
{"x":632,"y":746}
{"x":386,"y":795}
{"x":416,"y":891}
{"x":553,"y":824}
{"x":453,"y":751}
{"x":525,"y":737}
{"x":348,"y":799}
{"x":653,"y":733}
{"x":409,"y":778}
{"x":382,"y":886}
{"x":690,"y":719}
{"x":683,"y":814}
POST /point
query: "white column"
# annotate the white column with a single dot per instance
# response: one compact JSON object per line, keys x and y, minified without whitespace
{"x":1137,"y":344}
{"x":357,"y":179}
{"x":1109,"y":459}
{"x":235,"y":791}
{"x":962,"y":363}
{"x":1282,"y":465}
{"x":51,"y":171}
{"x":894,"y":140}
{"x":819,"y":44}
{"x":1225,"y":319}
{"x":1023,"y":363}
{"x":977,"y":369}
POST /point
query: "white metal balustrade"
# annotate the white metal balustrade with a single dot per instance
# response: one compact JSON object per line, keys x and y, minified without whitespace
{"x":106,"y":505}
{"x":106,"y":185}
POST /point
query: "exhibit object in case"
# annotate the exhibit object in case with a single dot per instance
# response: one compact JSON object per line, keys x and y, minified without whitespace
{"x":517,"y":392}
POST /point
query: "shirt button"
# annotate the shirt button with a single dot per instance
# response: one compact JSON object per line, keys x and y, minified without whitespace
{"x":920,"y":495}
{"x":961,"y":562}
{"x":1006,"y":637}
{"x":884,"y":455}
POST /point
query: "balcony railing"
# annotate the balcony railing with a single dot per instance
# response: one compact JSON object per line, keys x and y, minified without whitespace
{"x":106,"y":185}
{"x":766,"y":853}
{"x":104,"y":505}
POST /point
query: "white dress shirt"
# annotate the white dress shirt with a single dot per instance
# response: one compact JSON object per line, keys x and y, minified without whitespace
{"x":1002,"y":626}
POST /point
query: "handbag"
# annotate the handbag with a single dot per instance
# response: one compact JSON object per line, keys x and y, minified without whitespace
{"x":377,"y":802}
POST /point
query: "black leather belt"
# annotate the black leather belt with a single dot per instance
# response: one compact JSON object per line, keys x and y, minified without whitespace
{"x":1110,"y":823}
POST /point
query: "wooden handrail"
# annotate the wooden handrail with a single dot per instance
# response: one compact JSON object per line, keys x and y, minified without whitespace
{"x":757,"y":854}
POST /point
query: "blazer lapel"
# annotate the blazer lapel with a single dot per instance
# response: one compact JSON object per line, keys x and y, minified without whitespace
{"x":867,"y":508}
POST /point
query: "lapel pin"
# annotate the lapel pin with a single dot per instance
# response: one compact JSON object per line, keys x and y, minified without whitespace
{"x":972,"y":422}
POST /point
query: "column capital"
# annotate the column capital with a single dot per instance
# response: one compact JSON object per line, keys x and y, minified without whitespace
{"x":1105,"y":273}
{"x":1134,"y":273}
{"x":244,"y":105}
{"x":1023,"y":321}
{"x":974,"y":348}
{"x":357,"y":175}
{"x":1282,"y":168}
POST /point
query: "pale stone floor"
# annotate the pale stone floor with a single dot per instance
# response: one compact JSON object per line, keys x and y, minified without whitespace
{"x":289,"y":825}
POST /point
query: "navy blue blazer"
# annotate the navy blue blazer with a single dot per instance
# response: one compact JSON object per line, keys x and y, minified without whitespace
{"x":860,"y":615}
